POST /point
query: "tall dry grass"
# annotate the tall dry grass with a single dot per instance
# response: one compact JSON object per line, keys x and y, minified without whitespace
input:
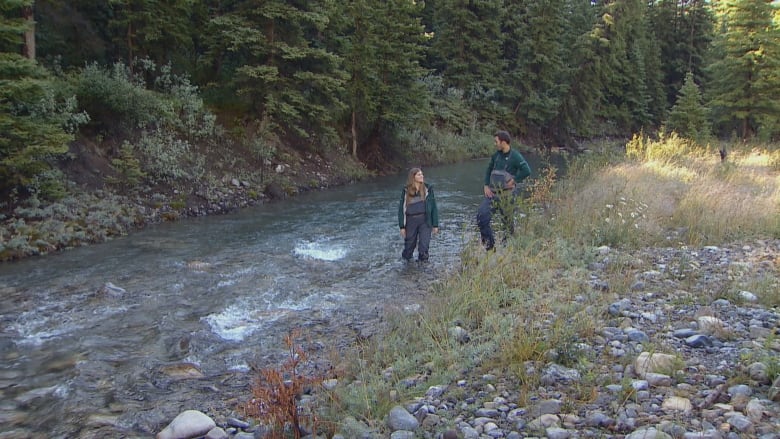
{"x":670,"y":191}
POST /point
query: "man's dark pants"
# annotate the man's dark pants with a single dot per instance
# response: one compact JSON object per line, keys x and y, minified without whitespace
{"x":485,"y":215}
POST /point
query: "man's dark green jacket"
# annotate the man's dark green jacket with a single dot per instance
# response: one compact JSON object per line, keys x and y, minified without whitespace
{"x":512,"y":162}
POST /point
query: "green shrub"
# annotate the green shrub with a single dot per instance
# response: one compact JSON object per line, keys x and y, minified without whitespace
{"x":128,"y":166}
{"x":114,"y":97}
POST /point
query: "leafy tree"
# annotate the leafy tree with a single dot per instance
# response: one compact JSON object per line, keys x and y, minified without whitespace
{"x":34,"y":116}
{"x":744,"y":86}
{"x":689,"y":116}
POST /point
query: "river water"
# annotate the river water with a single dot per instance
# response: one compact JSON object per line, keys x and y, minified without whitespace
{"x":115,"y":339}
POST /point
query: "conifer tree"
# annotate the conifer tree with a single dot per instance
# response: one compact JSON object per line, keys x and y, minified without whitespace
{"x":744,"y":86}
{"x":689,"y":116}
{"x":32,"y":115}
{"x":537,"y":75}
{"x":629,"y":65}
{"x":577,"y":113}
{"x":160,"y":30}
{"x":466,"y":49}
{"x":382,"y":43}
{"x":270,"y":54}
{"x":684,"y":32}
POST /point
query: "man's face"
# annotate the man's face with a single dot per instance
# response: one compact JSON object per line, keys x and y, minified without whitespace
{"x":498,"y":143}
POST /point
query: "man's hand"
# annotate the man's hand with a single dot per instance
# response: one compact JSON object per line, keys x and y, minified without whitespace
{"x":510,"y":184}
{"x":488,"y":192}
{"x":403,"y":233}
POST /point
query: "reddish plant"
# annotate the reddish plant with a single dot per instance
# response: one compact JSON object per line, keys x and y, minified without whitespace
{"x":276,"y":393}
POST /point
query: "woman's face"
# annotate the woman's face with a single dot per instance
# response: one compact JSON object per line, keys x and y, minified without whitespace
{"x":419,"y":177}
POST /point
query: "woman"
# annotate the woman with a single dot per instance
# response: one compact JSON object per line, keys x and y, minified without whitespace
{"x":418,"y":215}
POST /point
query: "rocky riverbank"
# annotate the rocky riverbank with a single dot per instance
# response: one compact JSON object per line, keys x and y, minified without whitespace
{"x":94,"y":211}
{"x":681,"y":354}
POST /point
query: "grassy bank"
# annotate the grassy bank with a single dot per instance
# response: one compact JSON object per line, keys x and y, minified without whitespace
{"x":532,"y":299}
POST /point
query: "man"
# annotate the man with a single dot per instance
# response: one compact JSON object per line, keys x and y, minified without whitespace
{"x":506,"y":170}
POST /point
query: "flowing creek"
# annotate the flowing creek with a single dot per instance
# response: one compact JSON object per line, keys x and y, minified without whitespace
{"x":115,"y":339}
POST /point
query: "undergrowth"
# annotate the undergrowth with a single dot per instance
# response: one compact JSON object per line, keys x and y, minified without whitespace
{"x":276,"y":394}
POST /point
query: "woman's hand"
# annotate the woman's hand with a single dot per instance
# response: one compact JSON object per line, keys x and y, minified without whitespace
{"x":403,"y":233}
{"x":435,"y":230}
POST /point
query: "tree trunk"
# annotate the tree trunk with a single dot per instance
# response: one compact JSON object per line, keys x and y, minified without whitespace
{"x":28,"y":51}
{"x":354,"y":135}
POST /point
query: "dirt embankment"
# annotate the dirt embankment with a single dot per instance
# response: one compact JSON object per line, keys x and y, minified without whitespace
{"x":100,"y":204}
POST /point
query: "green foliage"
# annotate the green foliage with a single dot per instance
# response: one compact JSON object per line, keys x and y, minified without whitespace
{"x":684,"y":32}
{"x":168,"y":157}
{"x":163,"y":118}
{"x":155,"y":29}
{"x":430,"y":145}
{"x":382,"y":46}
{"x":450,"y":110}
{"x":629,"y":69}
{"x":323,"y":74}
{"x":620,"y":223}
{"x":535,"y":51}
{"x":40,"y":228}
{"x":666,"y":147}
{"x":37,"y":117}
{"x":746,"y":52}
{"x":689,"y":115}
{"x":271,"y":60}
{"x":466,"y":44}
{"x":128,"y":166}
{"x":577,"y":114}
{"x":116,"y":99}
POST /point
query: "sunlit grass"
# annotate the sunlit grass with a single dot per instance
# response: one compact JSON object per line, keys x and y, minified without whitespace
{"x":532,"y":299}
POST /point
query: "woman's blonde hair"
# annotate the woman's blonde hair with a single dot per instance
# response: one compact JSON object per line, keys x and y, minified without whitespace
{"x":411,"y":185}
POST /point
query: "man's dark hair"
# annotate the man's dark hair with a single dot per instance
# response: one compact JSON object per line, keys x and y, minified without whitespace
{"x":503,"y":135}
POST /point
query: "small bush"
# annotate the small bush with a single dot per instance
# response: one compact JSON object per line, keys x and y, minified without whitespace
{"x":114,"y":95}
{"x":128,"y":166}
{"x":276,"y":393}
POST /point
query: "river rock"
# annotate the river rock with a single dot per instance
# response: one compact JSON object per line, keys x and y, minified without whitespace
{"x":648,"y":433}
{"x":710,"y":325}
{"x":656,"y":362}
{"x":352,"y":428}
{"x":400,"y":419}
{"x":188,"y":424}
{"x":774,"y":391}
{"x":677,"y":403}
{"x":182,"y":371}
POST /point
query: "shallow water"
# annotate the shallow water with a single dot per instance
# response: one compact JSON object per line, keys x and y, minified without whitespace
{"x":98,"y":340}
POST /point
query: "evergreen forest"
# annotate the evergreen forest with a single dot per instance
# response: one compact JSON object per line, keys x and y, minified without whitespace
{"x":151,"y":84}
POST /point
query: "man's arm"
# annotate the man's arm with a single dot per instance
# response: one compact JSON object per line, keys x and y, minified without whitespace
{"x":520,"y":167}
{"x":489,"y":169}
